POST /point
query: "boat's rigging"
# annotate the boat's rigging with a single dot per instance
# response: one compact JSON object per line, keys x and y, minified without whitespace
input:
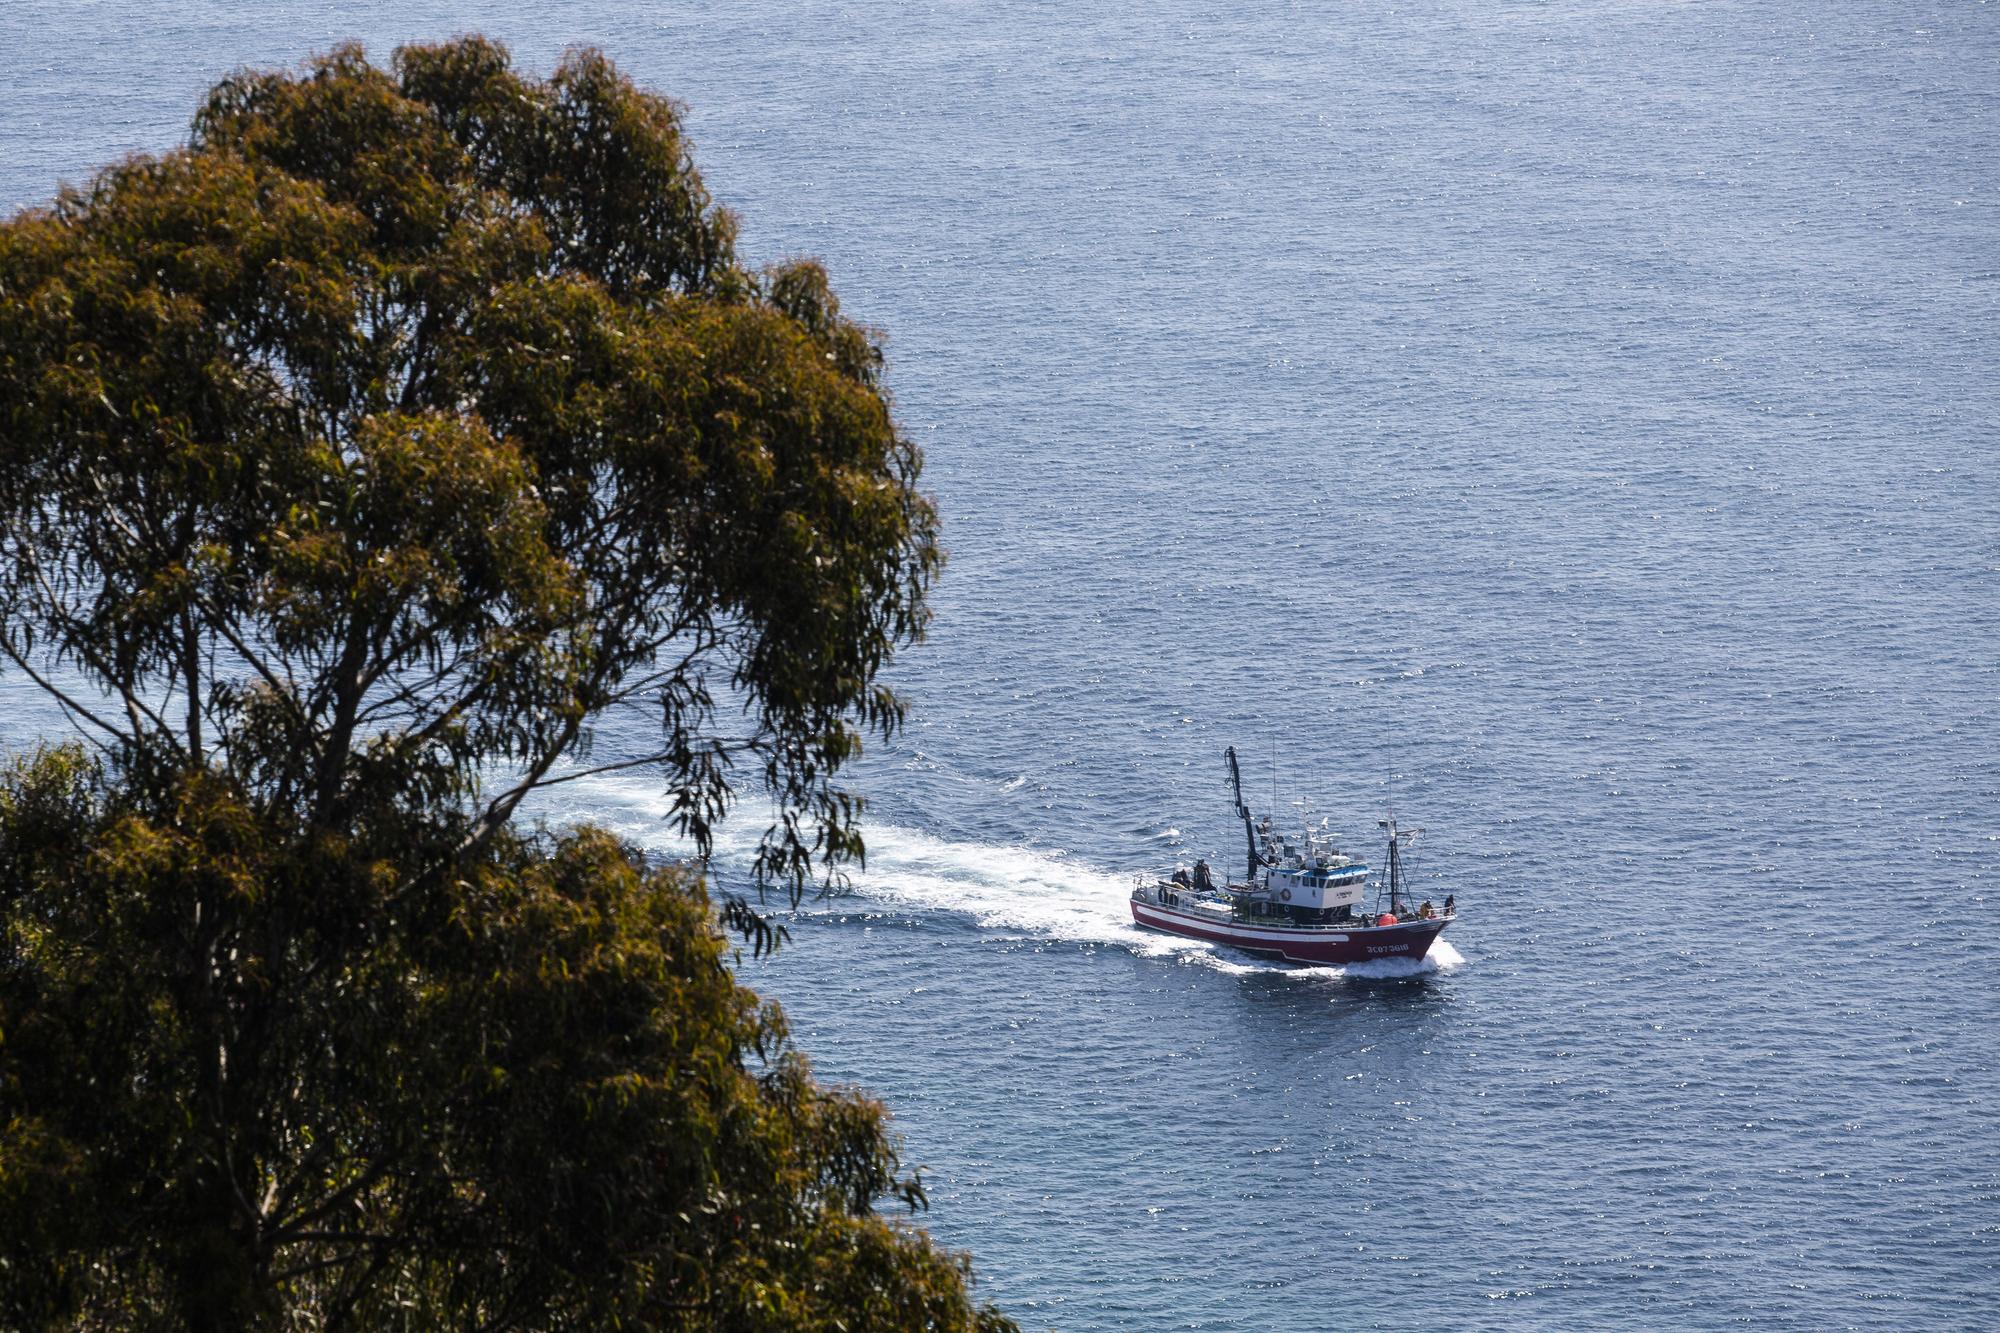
{"x":1398,"y":840}
{"x":1273,"y":806}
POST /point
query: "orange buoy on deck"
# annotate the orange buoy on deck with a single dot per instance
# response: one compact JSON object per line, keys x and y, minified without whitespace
{"x":1386,"y":919}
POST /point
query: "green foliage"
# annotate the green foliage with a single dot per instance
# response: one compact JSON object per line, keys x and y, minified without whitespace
{"x":536,"y":1098}
{"x":410,"y":422}
{"x":389,"y":437}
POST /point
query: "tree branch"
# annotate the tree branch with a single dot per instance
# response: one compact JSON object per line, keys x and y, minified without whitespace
{"x":68,"y":704}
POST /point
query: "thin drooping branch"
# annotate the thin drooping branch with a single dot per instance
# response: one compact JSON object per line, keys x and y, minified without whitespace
{"x":224,"y":625}
{"x":76,"y":640}
{"x":501,"y":809}
{"x":521,"y":789}
{"x":62,"y":697}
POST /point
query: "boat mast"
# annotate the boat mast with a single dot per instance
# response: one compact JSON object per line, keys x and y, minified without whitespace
{"x":1249,"y":830}
{"x":1396,"y":841}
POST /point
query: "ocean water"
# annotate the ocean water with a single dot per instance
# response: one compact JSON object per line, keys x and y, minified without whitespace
{"x":1568,"y":425}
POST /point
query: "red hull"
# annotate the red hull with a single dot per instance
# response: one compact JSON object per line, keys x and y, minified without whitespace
{"x":1323,"y":945}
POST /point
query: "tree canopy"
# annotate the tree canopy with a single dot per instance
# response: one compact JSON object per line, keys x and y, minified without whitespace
{"x":409,"y":422}
{"x":358,"y":461}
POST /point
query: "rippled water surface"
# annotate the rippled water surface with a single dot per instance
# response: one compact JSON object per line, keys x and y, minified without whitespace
{"x":1570,"y":425}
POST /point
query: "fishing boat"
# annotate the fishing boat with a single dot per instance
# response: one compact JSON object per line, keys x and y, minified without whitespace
{"x":1300,"y":900}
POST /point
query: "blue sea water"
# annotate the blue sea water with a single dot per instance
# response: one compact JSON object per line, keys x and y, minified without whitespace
{"x":1570,"y":425}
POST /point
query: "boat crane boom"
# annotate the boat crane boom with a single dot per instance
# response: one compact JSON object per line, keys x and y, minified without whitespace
{"x":1249,"y":826}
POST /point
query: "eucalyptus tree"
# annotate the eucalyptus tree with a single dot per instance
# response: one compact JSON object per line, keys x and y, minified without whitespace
{"x":407,"y":424}
{"x":358,"y":461}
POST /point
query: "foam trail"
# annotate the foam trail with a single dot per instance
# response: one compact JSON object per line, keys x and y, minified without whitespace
{"x":1040,"y":894}
{"x":1043,"y":894}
